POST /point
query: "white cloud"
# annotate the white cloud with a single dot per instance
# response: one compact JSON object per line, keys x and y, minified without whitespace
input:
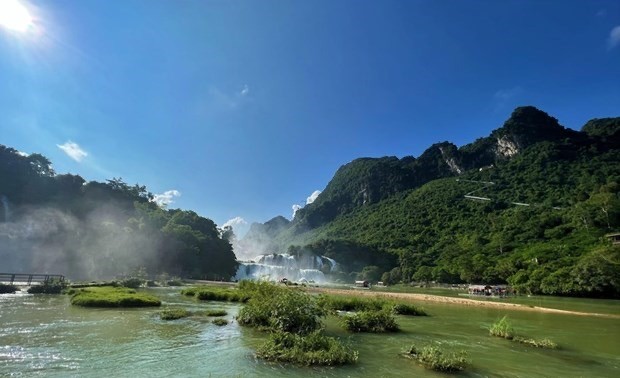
{"x":20,"y":153}
{"x":73,"y":150}
{"x":244,"y":91}
{"x":312,"y":197}
{"x":236,"y":221}
{"x":614,"y":37}
{"x":166,"y":198}
{"x":296,"y":207}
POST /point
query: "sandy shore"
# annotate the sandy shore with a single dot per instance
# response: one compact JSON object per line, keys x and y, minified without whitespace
{"x":455,"y":301}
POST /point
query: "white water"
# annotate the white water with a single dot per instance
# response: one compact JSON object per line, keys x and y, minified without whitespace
{"x":274,"y":267}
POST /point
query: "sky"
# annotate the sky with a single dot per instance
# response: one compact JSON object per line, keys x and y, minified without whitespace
{"x":244,"y":110}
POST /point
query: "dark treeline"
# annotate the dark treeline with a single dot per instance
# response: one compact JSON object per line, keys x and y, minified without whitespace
{"x":59,"y":223}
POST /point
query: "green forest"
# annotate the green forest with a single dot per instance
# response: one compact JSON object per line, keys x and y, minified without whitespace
{"x":62,"y":224}
{"x":536,"y":216}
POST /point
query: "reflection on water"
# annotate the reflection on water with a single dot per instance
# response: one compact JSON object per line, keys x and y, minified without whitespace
{"x":46,"y":336}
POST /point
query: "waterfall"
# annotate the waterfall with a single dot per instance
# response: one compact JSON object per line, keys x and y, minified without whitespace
{"x":274,"y":267}
{"x":5,"y":206}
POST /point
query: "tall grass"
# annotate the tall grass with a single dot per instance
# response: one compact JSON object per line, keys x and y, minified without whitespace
{"x":332,"y":303}
{"x":503,"y":328}
{"x":312,"y":349}
{"x":434,"y":358}
{"x":216,"y":294}
{"x":113,"y":297}
{"x":370,"y":321}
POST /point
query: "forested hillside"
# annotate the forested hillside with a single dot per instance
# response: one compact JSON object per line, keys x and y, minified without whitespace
{"x":540,"y":200}
{"x":59,"y":223}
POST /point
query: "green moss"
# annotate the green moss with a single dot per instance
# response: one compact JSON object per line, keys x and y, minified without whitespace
{"x":220,"y":322}
{"x":113,"y":297}
{"x":434,"y":358}
{"x":313,"y":349}
{"x":370,"y":321}
{"x":174,"y":313}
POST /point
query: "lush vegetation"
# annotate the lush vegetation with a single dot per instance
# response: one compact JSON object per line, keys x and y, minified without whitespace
{"x":53,"y":286}
{"x":210,"y":293}
{"x":220,"y":322}
{"x":370,"y":321}
{"x":503,"y":328}
{"x":112,"y":297}
{"x":62,"y":223}
{"x":411,"y":222}
{"x":432,"y":357}
{"x":174,"y":313}
{"x":217,"y":312}
{"x":312,"y":349}
{"x":8,"y":289}
{"x":408,"y":309}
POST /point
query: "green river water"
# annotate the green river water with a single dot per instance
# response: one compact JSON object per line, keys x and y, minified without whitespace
{"x":46,"y":336}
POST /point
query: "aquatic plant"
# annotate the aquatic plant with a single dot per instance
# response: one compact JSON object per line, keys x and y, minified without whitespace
{"x":217,"y":312}
{"x":174,"y":313}
{"x":220,"y":322}
{"x":281,"y":308}
{"x":8,"y":289}
{"x":53,"y":286}
{"x":216,"y":294}
{"x":334,"y":303}
{"x":434,"y":358}
{"x":113,"y":297}
{"x":502,"y":328}
{"x":408,"y":309}
{"x":370,"y":321}
{"x":542,"y":343}
{"x":312,"y":349}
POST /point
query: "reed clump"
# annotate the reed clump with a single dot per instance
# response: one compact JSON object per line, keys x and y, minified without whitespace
{"x":220,"y":322}
{"x":113,"y":297}
{"x":312,"y":349}
{"x":333,"y":303}
{"x":371,"y":321}
{"x":216,"y":294}
{"x":503,"y":328}
{"x":174,"y":313}
{"x":432,"y":357}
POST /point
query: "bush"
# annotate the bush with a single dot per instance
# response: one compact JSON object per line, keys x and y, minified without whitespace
{"x":313,"y":349}
{"x":220,"y":322}
{"x":113,"y":297}
{"x":53,"y":286}
{"x":216,"y":294}
{"x":408,"y":309}
{"x":174,"y":313}
{"x":215,"y":313}
{"x":281,"y":308}
{"x":8,"y":289}
{"x":339,"y":303}
{"x":502,"y":328}
{"x":434,"y":358}
{"x":370,"y":321}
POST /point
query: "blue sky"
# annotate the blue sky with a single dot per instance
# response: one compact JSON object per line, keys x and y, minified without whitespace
{"x":247,"y":107}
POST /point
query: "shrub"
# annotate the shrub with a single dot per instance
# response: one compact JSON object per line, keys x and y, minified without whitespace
{"x":8,"y":289}
{"x":216,"y":294}
{"x":370,"y":321}
{"x":220,"y":322}
{"x":281,"y":308}
{"x":339,"y":303}
{"x":113,"y":297}
{"x":313,"y":349}
{"x":174,"y":313}
{"x":434,"y":358}
{"x":502,"y":328}
{"x":408,"y":309}
{"x":215,"y":313}
{"x":53,"y":286}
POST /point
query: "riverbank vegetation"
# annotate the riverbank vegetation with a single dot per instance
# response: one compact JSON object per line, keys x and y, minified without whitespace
{"x":503,"y":328}
{"x":432,"y":357}
{"x":334,"y":303}
{"x":8,"y":289}
{"x":113,"y":297}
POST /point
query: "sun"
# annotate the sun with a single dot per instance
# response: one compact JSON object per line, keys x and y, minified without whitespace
{"x":14,"y":16}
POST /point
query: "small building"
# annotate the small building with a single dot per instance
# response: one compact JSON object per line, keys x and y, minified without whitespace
{"x":362,"y":284}
{"x":614,"y":238}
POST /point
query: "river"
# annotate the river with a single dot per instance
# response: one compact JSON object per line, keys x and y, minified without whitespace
{"x":45,"y":336}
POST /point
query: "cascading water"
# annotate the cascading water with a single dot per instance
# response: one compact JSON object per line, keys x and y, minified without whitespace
{"x":274,"y":267}
{"x":5,"y":206}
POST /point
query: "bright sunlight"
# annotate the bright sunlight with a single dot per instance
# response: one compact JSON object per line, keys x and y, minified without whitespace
{"x":14,"y":16}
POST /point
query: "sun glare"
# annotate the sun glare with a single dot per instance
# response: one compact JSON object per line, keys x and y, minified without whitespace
{"x":14,"y":15}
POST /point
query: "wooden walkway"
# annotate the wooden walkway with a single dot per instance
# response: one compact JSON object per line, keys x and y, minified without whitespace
{"x":29,"y":278}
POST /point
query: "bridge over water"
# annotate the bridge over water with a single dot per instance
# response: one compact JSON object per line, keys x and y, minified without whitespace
{"x":29,"y":279}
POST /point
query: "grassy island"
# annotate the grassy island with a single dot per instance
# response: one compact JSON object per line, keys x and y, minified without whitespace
{"x":113,"y":297}
{"x":431,"y":357}
{"x":8,"y":289}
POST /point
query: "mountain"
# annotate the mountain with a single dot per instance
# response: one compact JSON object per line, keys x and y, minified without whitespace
{"x":541,"y":197}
